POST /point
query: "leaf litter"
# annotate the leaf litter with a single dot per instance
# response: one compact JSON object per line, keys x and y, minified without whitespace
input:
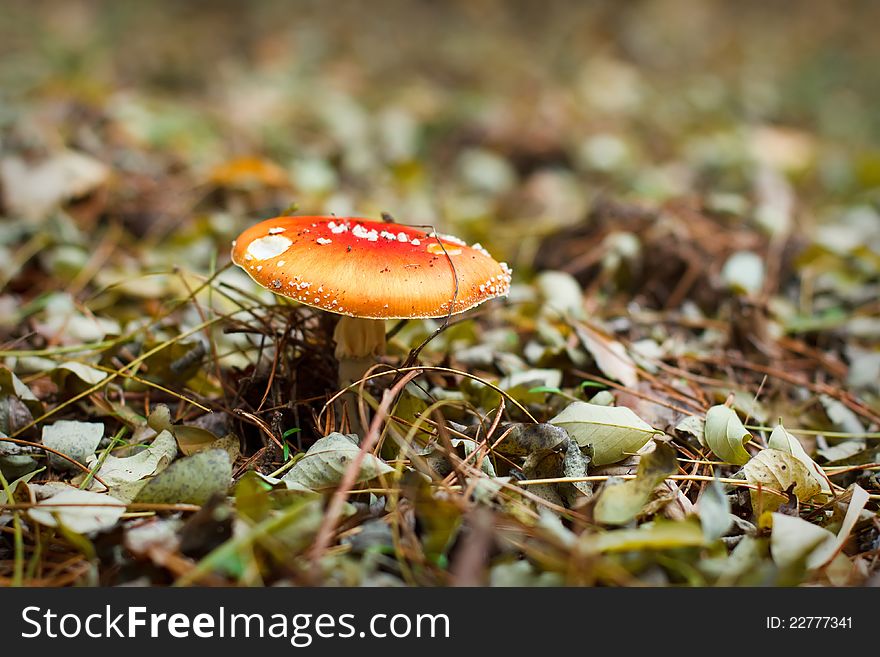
{"x":688,"y":277}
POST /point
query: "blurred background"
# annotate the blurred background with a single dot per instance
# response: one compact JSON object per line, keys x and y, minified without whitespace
{"x":605,"y":139}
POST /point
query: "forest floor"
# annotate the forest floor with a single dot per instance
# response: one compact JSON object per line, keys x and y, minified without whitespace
{"x":681,"y":388}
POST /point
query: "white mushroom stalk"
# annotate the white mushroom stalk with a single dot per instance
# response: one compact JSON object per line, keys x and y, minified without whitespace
{"x":359,"y":342}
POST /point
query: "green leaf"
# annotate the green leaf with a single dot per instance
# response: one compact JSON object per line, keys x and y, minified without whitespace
{"x":545,"y":389}
{"x":325,"y":462}
{"x":725,"y":435}
{"x":657,"y":535}
{"x":779,"y":471}
{"x":191,"y":480}
{"x":621,"y":503}
{"x":613,"y":432}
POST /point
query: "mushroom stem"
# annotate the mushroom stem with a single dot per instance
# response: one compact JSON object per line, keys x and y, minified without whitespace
{"x":358,"y":343}
{"x":359,"y":338}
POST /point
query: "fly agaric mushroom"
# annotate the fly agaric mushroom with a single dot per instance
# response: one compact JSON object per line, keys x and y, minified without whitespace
{"x":367,"y":272}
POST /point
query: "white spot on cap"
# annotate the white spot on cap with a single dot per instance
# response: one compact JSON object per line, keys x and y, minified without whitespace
{"x":415,"y":242}
{"x":323,"y":240}
{"x":275,"y":231}
{"x":448,"y":238}
{"x":479,"y":247}
{"x":280,"y":263}
{"x":267,"y":247}
{"x":363,"y":233}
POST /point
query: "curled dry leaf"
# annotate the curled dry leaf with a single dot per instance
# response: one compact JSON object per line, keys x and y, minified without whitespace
{"x":781,"y":472}
{"x":782,"y":440}
{"x":692,"y":425}
{"x":89,"y":376}
{"x":117,"y":472}
{"x":11,"y":385}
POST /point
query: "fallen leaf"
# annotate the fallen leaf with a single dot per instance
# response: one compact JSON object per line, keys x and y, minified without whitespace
{"x":575,"y":464}
{"x":325,"y":462}
{"x":784,"y":441}
{"x":523,"y":439}
{"x":793,"y":539}
{"x":190,"y":480}
{"x":33,"y":189}
{"x":714,"y":510}
{"x":778,"y":471}
{"x":693,"y":425}
{"x":79,"y":440}
{"x":610,"y":355}
{"x":744,"y":273}
{"x":613,"y":432}
{"x":95,"y":511}
{"x":656,"y":535}
{"x":192,"y":439}
{"x":561,"y":292}
{"x":619,"y":504}
{"x":725,"y":435}
{"x":86,"y":374}
{"x":116,"y":472}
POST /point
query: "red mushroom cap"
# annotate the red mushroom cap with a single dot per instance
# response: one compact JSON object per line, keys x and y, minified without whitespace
{"x":369,"y":269}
